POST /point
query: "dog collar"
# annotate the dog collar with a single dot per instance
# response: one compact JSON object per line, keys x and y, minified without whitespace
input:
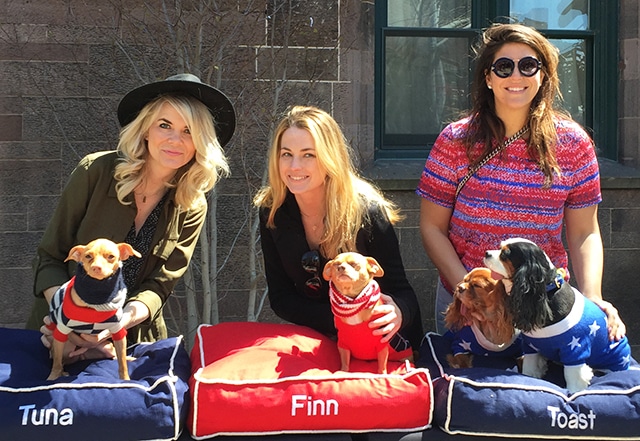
{"x":109,"y":293}
{"x":556,"y":283}
{"x":344,"y":306}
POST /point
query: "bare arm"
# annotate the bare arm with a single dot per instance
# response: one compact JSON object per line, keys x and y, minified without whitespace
{"x":134,"y":313}
{"x":49,"y":292}
{"x":434,"y":231}
{"x":585,"y":249}
{"x":586,"y":253}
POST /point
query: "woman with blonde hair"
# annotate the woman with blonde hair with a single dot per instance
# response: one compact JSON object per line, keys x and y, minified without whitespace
{"x":316,"y":206}
{"x":150,"y":193}
{"x":514,"y":167}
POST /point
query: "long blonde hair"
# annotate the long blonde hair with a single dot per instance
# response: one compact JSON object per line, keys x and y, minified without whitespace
{"x":348,"y":195}
{"x":485,"y":124}
{"x":197,"y":177}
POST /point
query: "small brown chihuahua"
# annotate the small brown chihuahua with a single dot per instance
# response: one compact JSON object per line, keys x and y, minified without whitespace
{"x":354,"y":294}
{"x":92,"y":299}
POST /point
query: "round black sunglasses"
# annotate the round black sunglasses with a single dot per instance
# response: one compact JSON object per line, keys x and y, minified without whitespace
{"x":311,"y":264}
{"x":504,"y":67}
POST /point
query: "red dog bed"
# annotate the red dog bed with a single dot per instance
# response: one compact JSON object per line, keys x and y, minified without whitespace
{"x":250,"y":378}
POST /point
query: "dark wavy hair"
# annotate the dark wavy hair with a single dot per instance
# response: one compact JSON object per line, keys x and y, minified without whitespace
{"x":485,"y":125}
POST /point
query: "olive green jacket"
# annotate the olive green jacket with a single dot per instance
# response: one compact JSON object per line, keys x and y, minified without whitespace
{"x":89,"y":209}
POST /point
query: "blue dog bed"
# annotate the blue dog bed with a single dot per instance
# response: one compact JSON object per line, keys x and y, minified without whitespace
{"x":92,"y":403}
{"x":493,"y":399}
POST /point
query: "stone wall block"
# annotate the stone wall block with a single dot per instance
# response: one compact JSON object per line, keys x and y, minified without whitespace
{"x":625,"y":233}
{"x":302,"y":64}
{"x":17,"y":298}
{"x":23,"y":248}
{"x":10,"y":127}
{"x":312,"y":23}
{"x":43,"y":52}
{"x":68,"y":120}
{"x":26,"y":178}
{"x":622,"y":272}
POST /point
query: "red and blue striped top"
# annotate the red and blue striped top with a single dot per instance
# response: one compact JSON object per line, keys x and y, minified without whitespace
{"x":506,"y":197}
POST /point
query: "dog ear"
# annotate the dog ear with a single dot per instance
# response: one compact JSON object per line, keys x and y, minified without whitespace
{"x":328,"y":270}
{"x":75,"y":253}
{"x":374,"y":268}
{"x":453,"y":318}
{"x":504,"y":322}
{"x":127,"y":251}
{"x":529,"y":294}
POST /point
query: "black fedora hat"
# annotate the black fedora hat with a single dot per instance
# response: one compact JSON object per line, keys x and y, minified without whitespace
{"x":185,"y":84}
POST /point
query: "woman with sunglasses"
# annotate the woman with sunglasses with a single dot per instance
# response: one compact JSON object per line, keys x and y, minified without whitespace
{"x":314,"y":207}
{"x":514,"y":167}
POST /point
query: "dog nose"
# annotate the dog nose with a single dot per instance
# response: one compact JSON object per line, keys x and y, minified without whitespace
{"x":487,"y":254}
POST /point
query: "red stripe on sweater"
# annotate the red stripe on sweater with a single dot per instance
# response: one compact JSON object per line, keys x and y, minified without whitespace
{"x":82,"y":313}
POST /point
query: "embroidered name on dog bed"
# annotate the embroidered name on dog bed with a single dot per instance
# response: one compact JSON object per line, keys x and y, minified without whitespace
{"x":91,"y":403}
{"x":492,"y":399}
{"x":251,"y":378}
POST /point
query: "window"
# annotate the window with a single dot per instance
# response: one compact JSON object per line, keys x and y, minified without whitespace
{"x":424,"y":64}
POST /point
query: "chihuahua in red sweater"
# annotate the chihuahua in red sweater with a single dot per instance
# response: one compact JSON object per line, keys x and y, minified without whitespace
{"x":354,"y":294}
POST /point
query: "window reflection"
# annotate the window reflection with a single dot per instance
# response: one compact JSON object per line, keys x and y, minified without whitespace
{"x":572,"y":73}
{"x":551,"y":14}
{"x":429,"y":13}
{"x":428,"y":65}
{"x":426,"y":83}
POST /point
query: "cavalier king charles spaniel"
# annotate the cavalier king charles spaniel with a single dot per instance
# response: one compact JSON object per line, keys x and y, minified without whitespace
{"x":479,"y":322}
{"x":557,"y":322}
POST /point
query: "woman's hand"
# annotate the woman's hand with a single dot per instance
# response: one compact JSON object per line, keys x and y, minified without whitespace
{"x":80,"y":346}
{"x":615,"y":325}
{"x":390,"y":320}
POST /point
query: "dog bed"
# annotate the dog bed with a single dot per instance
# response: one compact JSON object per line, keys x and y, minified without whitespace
{"x":493,"y":399}
{"x":92,"y":403}
{"x":259,"y":378}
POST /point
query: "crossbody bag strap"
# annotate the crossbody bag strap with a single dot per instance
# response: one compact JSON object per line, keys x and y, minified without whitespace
{"x":488,"y":158}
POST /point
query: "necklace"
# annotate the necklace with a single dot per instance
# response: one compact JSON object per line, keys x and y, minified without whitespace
{"x":313,"y":221}
{"x":156,"y":193}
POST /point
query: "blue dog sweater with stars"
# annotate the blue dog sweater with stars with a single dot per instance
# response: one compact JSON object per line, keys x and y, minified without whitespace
{"x":470,"y":340}
{"x":581,"y":337}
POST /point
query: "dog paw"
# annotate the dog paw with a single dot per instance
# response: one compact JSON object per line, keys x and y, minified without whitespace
{"x":55,"y":375}
{"x":578,"y":377}
{"x":534,"y":365}
{"x":460,"y":361}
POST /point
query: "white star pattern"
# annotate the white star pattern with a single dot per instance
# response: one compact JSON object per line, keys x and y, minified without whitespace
{"x":575,"y":343}
{"x":594,"y":328}
{"x":465,"y":345}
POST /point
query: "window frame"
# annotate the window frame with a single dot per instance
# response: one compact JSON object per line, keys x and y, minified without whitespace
{"x":601,"y":116}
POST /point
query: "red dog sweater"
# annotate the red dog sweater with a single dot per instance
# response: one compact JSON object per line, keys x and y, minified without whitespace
{"x":358,"y":338}
{"x":66,"y":316}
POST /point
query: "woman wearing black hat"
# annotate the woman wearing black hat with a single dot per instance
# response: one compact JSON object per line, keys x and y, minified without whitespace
{"x":150,"y":193}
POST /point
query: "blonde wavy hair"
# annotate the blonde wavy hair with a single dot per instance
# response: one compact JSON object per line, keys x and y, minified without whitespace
{"x":195,"y":178}
{"x":486,"y":126}
{"x":347,"y":194}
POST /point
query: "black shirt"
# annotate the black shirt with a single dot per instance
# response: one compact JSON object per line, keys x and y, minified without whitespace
{"x":283,"y":247}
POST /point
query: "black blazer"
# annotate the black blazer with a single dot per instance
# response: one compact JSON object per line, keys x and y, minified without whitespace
{"x":283,"y":247}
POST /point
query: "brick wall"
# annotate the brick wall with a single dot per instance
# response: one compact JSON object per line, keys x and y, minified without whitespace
{"x":64,"y":65}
